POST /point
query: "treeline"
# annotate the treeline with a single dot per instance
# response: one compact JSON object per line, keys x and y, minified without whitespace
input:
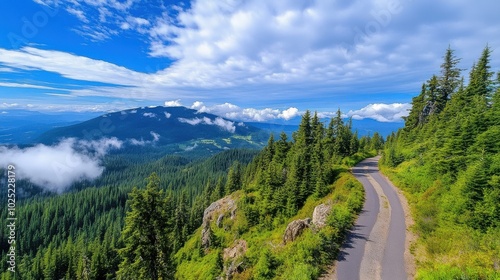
{"x":448,"y":158}
{"x":286,"y":173}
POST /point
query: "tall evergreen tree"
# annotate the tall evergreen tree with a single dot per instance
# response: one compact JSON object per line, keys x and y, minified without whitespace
{"x":147,"y":250}
{"x":480,"y":83}
{"x":449,"y":79}
{"x":233,"y":178}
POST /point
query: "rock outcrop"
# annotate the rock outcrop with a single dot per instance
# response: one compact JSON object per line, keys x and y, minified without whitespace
{"x":320,"y":215}
{"x":238,"y":249}
{"x":294,"y":229}
{"x":232,"y":258}
{"x":217,"y":209}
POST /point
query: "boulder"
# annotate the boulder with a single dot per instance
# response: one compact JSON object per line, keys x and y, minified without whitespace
{"x":294,"y":229}
{"x":320,"y":215}
{"x":223,"y":205}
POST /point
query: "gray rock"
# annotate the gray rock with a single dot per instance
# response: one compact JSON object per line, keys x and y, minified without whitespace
{"x":217,"y":209}
{"x":238,"y":249}
{"x":223,"y":205}
{"x":206,"y":236}
{"x":219,"y":220}
{"x":294,"y":229}
{"x":320,"y":215}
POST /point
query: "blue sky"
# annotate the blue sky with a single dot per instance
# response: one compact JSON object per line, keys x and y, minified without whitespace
{"x":252,"y":60}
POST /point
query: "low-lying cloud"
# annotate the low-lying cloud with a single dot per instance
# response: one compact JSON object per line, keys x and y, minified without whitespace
{"x":220,"y":122}
{"x":142,"y":142}
{"x":56,"y":167}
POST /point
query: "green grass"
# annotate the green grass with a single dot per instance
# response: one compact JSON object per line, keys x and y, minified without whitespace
{"x":267,"y":257}
{"x":447,"y":248}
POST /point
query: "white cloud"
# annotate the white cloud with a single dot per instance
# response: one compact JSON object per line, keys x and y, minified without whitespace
{"x":142,"y":142}
{"x":156,"y":136}
{"x":220,"y":122}
{"x":78,"y":13}
{"x":136,"y":142}
{"x":167,"y":115}
{"x":382,"y":112}
{"x":194,"y":121}
{"x":190,"y":148}
{"x":224,"y":124}
{"x":149,"y":115}
{"x":289,"y":113}
{"x":173,"y":103}
{"x":18,"y":85}
{"x":57,"y":167}
{"x":138,"y":21}
{"x":70,"y":66}
{"x":234,"y":112}
{"x":125,"y":26}
{"x":281,"y":50}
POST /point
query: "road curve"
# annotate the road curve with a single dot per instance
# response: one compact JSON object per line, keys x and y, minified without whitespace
{"x":375,"y":247}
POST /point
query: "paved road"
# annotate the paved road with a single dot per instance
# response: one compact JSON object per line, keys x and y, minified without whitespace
{"x":375,"y":247}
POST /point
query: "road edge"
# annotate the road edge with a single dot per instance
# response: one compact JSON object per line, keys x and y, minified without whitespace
{"x":410,"y":236}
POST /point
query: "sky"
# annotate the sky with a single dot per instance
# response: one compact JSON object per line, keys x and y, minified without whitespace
{"x":254,"y":60}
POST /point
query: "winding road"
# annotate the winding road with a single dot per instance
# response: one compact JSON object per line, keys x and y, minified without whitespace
{"x":375,"y":247}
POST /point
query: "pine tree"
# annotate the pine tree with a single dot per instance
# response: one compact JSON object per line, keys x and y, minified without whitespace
{"x":147,"y":246}
{"x":480,"y":83}
{"x":449,"y":79}
{"x":233,"y":178}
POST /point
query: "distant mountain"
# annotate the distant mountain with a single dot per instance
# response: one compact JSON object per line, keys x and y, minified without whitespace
{"x":365,"y":127}
{"x":24,"y":126}
{"x":370,"y":126}
{"x":163,"y":126}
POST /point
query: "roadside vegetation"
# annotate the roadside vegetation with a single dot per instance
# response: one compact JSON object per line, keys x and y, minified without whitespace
{"x":447,"y":160}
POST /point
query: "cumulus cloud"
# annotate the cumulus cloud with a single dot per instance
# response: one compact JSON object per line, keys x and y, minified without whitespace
{"x":283,"y":50}
{"x":57,"y":167}
{"x":220,"y":122}
{"x":289,"y":113}
{"x":173,"y":103}
{"x":167,"y":115}
{"x":382,"y":112}
{"x":231,"y":111}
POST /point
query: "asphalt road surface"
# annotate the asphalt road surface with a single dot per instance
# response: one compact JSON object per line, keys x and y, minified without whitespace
{"x":375,"y":246}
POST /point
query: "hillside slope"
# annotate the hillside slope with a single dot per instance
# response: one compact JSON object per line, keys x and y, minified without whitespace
{"x":287,"y":214}
{"x":447,"y":158}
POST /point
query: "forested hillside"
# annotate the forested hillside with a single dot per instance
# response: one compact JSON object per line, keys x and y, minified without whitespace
{"x":125,"y":227}
{"x":246,"y":235}
{"x":77,"y":235}
{"x":447,"y":159}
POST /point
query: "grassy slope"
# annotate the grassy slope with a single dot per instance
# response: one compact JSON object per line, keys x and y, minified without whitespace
{"x":267,"y":257}
{"x":446,"y":248}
